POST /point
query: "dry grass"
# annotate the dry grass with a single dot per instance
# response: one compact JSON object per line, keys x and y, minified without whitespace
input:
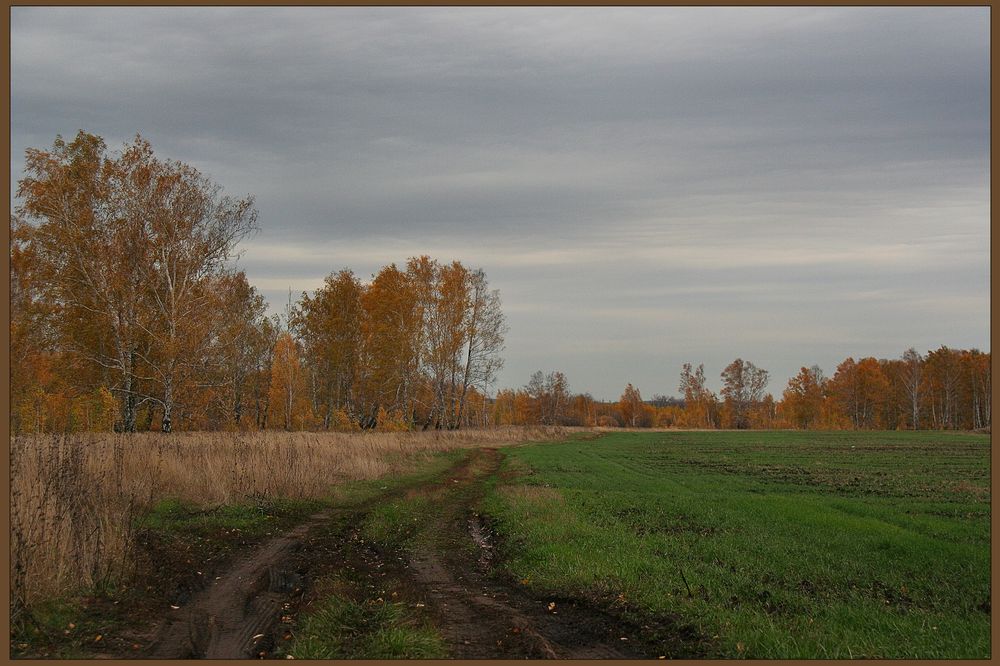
{"x":75,"y":499}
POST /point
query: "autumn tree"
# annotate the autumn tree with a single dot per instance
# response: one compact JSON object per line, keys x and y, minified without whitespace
{"x":239,"y":347}
{"x":857,"y":388}
{"x":743,"y":387}
{"x":802,"y":401}
{"x":459,"y":337}
{"x":484,"y":330}
{"x":942,"y":374}
{"x":289,"y":403}
{"x":32,"y":347}
{"x":630,"y":405}
{"x":763,"y":414}
{"x":583,"y":410}
{"x":977,"y":377}
{"x":444,"y":318}
{"x":188,"y":232}
{"x":266,"y":335}
{"x":88,"y":257}
{"x":390,"y":321}
{"x":911,"y":380}
{"x":699,"y":401}
{"x":549,"y":396}
{"x":329,"y":325}
{"x":125,"y":243}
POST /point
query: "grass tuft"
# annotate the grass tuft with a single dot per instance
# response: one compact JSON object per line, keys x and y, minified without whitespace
{"x":344,"y":629}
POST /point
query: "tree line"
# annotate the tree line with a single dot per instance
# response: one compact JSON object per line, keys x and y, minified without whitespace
{"x":127,"y":313}
{"x":944,"y":389}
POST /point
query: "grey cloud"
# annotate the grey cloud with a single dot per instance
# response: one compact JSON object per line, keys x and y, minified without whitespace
{"x":654,"y":185}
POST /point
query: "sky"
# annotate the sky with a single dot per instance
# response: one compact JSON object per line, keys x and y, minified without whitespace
{"x":645,"y":186}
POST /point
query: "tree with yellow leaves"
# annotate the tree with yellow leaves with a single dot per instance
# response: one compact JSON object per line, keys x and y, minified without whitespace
{"x":289,"y":403}
{"x":630,"y":405}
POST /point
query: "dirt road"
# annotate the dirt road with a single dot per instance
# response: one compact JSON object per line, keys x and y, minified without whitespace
{"x":447,"y":576}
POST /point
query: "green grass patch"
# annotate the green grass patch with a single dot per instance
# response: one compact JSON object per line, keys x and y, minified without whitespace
{"x":395,"y":524}
{"x":252,"y":519}
{"x":340,"y":628}
{"x":61,"y":629}
{"x":773,"y":544}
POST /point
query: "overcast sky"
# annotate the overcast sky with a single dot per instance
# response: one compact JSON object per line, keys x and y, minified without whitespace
{"x":645,"y":186}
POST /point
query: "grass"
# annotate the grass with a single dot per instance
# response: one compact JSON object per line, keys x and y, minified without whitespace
{"x":340,"y":628}
{"x":772,"y":544}
{"x":74,"y":630}
{"x":253,"y":519}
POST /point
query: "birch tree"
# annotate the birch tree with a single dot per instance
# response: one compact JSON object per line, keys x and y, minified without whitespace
{"x":92,"y":254}
{"x":485,"y":328}
{"x":911,"y":377}
{"x":743,"y":387}
{"x":129,"y":241}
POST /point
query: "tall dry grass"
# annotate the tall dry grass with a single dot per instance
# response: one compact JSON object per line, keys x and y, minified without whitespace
{"x":76,"y":499}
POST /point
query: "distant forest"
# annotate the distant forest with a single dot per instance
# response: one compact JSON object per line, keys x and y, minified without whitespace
{"x":128,"y":314}
{"x":945,"y":389}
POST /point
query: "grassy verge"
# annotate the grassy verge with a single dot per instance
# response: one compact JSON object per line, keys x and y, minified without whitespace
{"x":775,"y":545}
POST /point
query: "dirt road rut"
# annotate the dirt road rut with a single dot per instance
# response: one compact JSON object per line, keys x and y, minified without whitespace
{"x":248,"y":610}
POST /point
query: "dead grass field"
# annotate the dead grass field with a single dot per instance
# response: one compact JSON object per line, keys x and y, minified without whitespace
{"x":76,"y":500}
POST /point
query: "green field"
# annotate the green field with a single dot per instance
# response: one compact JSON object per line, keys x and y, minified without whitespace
{"x":767,"y":544}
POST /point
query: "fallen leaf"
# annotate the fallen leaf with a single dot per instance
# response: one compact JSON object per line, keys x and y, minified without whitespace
{"x":97,"y":638}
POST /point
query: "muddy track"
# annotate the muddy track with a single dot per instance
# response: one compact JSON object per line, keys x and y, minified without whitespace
{"x":444,"y":578}
{"x":235,"y":616}
{"x":228,"y":618}
{"x":483,"y":617}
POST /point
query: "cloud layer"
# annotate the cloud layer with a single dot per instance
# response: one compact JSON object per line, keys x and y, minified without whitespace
{"x":646,"y":186}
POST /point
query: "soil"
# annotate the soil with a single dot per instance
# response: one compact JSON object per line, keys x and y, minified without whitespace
{"x":450,"y":580}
